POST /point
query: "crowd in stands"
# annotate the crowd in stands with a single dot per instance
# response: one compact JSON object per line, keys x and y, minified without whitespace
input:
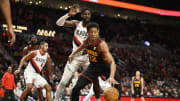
{"x":158,"y":62}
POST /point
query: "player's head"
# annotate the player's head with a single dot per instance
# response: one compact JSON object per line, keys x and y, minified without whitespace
{"x":93,"y":31}
{"x":86,"y":15}
{"x":138,"y":73}
{"x":44,"y":46}
{"x":9,"y":69}
{"x":34,"y":40}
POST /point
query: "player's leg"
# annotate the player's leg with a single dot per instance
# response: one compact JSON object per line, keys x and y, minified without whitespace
{"x":134,"y":95}
{"x":91,"y":93}
{"x":132,"y":99}
{"x":67,"y":75}
{"x":26,"y":91}
{"x":142,"y":98}
{"x":40,"y":82}
{"x":82,"y":81}
{"x":96,"y":89}
{"x":28,"y":76}
{"x":40,"y":94}
{"x":118,"y":86}
{"x":48,"y":92}
{"x":140,"y":95}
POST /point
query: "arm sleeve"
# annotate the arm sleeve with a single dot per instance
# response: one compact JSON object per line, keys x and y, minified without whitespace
{"x":62,"y":20}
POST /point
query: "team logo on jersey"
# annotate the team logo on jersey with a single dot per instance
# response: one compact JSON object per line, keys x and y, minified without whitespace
{"x":40,"y":59}
{"x":81,"y":33}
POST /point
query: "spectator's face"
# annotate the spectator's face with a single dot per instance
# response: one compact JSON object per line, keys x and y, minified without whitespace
{"x":10,"y":69}
{"x":19,"y":85}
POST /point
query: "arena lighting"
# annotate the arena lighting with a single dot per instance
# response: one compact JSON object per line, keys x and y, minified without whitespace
{"x":22,"y":27}
{"x":42,"y":32}
{"x":136,"y":7}
{"x":17,"y":28}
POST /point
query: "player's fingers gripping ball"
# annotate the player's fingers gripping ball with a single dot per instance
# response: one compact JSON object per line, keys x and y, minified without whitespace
{"x":111,"y":94}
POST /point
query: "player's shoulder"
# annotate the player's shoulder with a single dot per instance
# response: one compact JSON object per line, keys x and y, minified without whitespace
{"x":76,"y":22}
{"x":102,"y":44}
{"x":48,"y":56}
{"x":34,"y":52}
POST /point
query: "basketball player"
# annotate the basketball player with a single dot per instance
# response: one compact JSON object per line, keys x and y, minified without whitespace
{"x":101,"y":61}
{"x":103,"y":84}
{"x":37,"y":60}
{"x":80,"y":34}
{"x":137,"y":86}
{"x":31,"y":47}
{"x":6,"y":10}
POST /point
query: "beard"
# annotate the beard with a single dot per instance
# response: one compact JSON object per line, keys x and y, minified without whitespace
{"x":33,"y":43}
{"x":86,"y":21}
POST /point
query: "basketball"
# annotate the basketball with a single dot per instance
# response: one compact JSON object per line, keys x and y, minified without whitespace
{"x":111,"y":94}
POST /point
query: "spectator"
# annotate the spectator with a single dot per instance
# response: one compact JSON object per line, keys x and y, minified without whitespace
{"x":18,"y":91}
{"x":8,"y":84}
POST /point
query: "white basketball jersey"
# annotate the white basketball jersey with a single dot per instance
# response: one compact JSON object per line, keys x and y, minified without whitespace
{"x":37,"y":63}
{"x":80,"y":34}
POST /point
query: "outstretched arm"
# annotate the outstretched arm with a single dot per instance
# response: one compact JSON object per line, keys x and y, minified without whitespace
{"x":6,"y":10}
{"x":75,"y":52}
{"x":104,"y":49}
{"x":25,"y":58}
{"x":49,"y":68}
{"x":62,"y":21}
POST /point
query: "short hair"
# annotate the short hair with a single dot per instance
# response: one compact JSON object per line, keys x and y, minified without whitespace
{"x":83,"y":10}
{"x":92,"y":24}
{"x":42,"y":43}
{"x":33,"y":36}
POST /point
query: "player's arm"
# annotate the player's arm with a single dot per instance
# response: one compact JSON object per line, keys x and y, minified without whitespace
{"x":76,"y":51}
{"x":49,"y":68}
{"x":142,"y":85}
{"x":5,"y":7}
{"x":104,"y":49}
{"x":25,"y":51}
{"x":62,"y":21}
{"x":24,"y":59}
{"x":132,"y":86}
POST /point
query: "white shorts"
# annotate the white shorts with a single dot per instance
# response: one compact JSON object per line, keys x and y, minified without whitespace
{"x":77,"y":62}
{"x":35,"y":78}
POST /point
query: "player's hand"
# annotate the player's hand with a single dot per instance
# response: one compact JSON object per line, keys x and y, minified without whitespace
{"x":17,"y":71}
{"x":11,"y":36}
{"x":70,"y":58}
{"x":51,"y":78}
{"x":141,"y":92}
{"x":74,"y":10}
{"x":112,"y":80}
